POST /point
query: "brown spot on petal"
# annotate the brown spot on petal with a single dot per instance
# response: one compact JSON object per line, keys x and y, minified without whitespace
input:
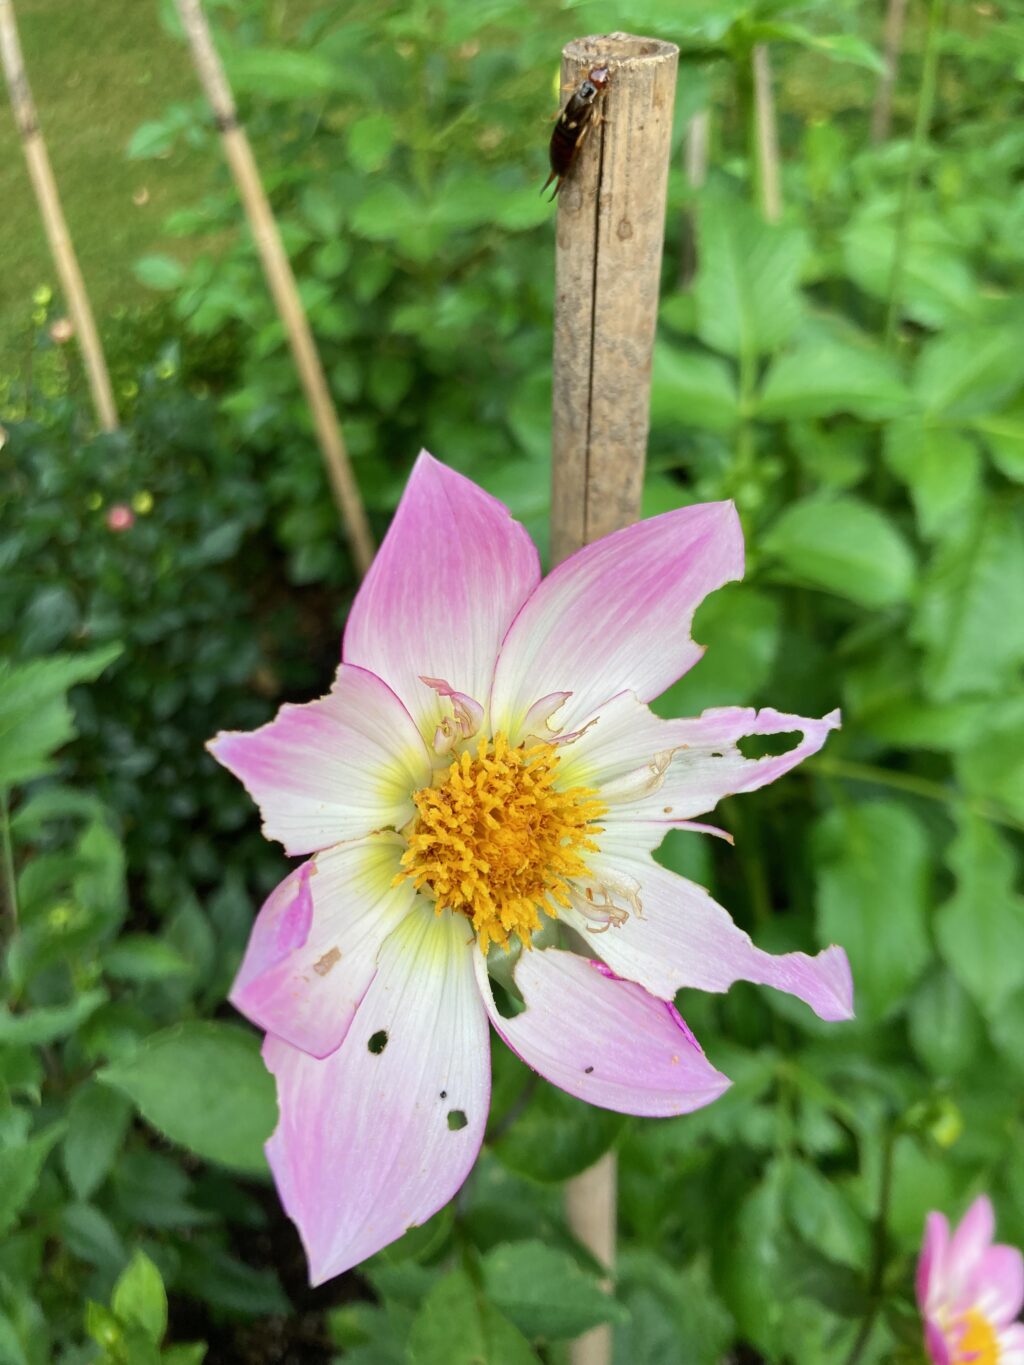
{"x":328,"y":960}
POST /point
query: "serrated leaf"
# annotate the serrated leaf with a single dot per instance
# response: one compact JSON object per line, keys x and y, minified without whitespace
{"x":691,"y":388}
{"x":97,"y":1121}
{"x":49,"y":1023}
{"x":279,"y":73}
{"x":945,"y":1027}
{"x":824,"y":376}
{"x":456,"y":1325}
{"x":873,"y":867}
{"x":969,"y":371}
{"x":203,"y":1085}
{"x":748,"y":300}
{"x":980,"y":929}
{"x":969,"y":618}
{"x":845,"y":546}
{"x":139,"y":1298}
{"x":20,"y":1167}
{"x":544,"y":1291}
{"x":941,"y":468}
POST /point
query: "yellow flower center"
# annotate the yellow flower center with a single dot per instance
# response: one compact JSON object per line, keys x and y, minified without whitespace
{"x":498,"y":841}
{"x":978,"y":1344}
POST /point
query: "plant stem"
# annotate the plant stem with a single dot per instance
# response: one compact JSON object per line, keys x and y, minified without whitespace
{"x":881,"y":1242}
{"x":7,"y":854}
{"x":910,"y":782}
{"x":922,"y":123}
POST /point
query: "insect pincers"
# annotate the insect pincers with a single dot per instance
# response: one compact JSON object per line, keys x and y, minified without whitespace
{"x":580,"y":114}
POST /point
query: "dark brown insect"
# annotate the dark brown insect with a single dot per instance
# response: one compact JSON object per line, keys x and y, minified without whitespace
{"x":574,"y":123}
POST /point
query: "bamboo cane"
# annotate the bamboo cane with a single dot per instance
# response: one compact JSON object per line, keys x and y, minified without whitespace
{"x":769,"y":179}
{"x":54,"y":223}
{"x":281,"y":280}
{"x":611,"y":221}
{"x":881,"y":114}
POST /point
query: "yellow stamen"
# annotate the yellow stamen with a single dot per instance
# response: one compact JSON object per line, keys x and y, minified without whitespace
{"x":979,"y":1343}
{"x":498,"y":841}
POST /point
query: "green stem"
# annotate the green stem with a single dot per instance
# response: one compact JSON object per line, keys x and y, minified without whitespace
{"x":878,"y":1258}
{"x":922,"y":123}
{"x":7,"y":854}
{"x":910,"y":782}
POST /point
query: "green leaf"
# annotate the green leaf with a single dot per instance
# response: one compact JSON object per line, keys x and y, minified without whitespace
{"x":279,"y":73}
{"x":873,"y":871}
{"x":370,"y":140}
{"x":748,"y":300}
{"x":823,"y":376}
{"x":544,"y":1291}
{"x":941,"y":467}
{"x":825,"y":1218}
{"x":969,"y":371}
{"x":159,"y":272}
{"x":456,"y":1325}
{"x":385,"y":213}
{"x":693,"y":389}
{"x":49,"y":1023}
{"x":969,"y":618}
{"x":141,"y":958}
{"x":20,"y":1167}
{"x":139,"y":1298}
{"x":840,"y":47}
{"x":945,"y":1028}
{"x":844,"y":546}
{"x":556,"y":1136}
{"x":939,"y":288}
{"x":97,"y":1121}
{"x":203,"y":1085}
{"x":12,"y":1352}
{"x":35,"y":718}
{"x":740,"y":626}
{"x":1003,"y":435}
{"x":980,"y":929}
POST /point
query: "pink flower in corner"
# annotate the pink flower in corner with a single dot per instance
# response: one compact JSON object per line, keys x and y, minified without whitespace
{"x":970,"y":1291}
{"x":485,"y":772}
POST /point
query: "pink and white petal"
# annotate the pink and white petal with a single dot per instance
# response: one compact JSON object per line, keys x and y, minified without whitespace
{"x":1011,"y":1345}
{"x":306,"y":989}
{"x":684,"y":938}
{"x":616,"y":616}
{"x":668,"y":771}
{"x":450,"y":576}
{"x":931,"y":1261}
{"x":377,"y":1137}
{"x":970,"y":1240}
{"x":937,"y":1346}
{"x":601,"y":1039}
{"x":333,"y":769}
{"x":997,"y":1289}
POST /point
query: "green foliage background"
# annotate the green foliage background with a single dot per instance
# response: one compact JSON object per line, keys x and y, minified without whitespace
{"x":853,"y":377}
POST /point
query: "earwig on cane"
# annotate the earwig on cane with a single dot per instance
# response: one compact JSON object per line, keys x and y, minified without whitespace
{"x":580,"y":114}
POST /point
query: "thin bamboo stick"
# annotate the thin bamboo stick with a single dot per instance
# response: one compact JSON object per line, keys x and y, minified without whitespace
{"x":281,"y":280}
{"x":54,"y":223}
{"x":611,"y":224}
{"x":695,"y":167}
{"x":881,"y":114}
{"x":769,"y":178}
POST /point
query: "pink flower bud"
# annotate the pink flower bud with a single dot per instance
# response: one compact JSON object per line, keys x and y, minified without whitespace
{"x":120,"y":517}
{"x":61,"y":331}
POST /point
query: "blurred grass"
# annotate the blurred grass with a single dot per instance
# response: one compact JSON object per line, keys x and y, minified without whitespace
{"x":97,"y":71}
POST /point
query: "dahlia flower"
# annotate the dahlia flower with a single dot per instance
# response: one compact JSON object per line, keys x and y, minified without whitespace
{"x":483,"y":778}
{"x":970,"y":1291}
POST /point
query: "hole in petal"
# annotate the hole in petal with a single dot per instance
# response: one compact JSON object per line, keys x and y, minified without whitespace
{"x":456,"y":1120}
{"x":444,"y":1094}
{"x":768,"y":746}
{"x":507,"y":1001}
{"x":378,"y":1041}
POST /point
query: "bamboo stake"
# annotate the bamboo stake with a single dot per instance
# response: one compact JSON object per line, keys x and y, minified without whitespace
{"x":54,"y":223}
{"x":695,"y":167}
{"x":281,"y":280}
{"x":611,"y":224}
{"x":767,"y":134}
{"x":881,"y":114}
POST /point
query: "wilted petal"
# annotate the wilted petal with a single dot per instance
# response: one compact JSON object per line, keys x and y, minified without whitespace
{"x":313,"y":949}
{"x":334,"y":769}
{"x":378,"y":1136}
{"x":616,"y":616}
{"x":684,"y":938}
{"x":603,"y":1040}
{"x":451,"y":574}
{"x":667,"y":771}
